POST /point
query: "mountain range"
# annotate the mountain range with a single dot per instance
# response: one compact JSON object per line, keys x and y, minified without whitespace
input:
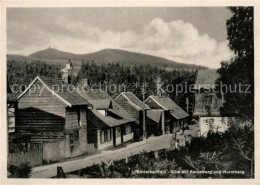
{"x":54,"y":56}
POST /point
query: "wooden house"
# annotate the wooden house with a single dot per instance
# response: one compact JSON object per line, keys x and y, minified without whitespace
{"x":205,"y":99}
{"x":16,"y":142}
{"x":137,"y":109}
{"x":165,"y":116}
{"x":207,"y":103}
{"x":11,"y":109}
{"x":109,"y":125}
{"x":55,"y":117}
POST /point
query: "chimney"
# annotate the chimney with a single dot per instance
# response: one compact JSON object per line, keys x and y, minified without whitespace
{"x":158,"y":87}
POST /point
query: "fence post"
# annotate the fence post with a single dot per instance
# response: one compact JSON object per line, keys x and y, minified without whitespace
{"x":156,"y":154}
{"x":60,"y":172}
{"x":199,"y":134}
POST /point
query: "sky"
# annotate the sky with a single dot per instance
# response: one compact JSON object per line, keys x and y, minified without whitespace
{"x":193,"y":35}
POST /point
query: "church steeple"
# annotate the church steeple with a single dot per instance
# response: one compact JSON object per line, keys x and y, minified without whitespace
{"x":69,"y":65}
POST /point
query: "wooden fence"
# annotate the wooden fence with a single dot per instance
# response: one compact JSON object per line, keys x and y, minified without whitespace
{"x":33,"y":156}
{"x":53,"y":151}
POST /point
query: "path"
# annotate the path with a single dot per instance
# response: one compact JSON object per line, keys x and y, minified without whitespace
{"x":151,"y":144}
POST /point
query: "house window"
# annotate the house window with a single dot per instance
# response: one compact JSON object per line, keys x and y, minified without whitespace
{"x":127,"y":129}
{"x":76,"y":135}
{"x":103,"y":112}
{"x":105,"y":135}
{"x":102,"y":136}
{"x":118,"y":132}
{"x":79,"y":117}
{"x":71,"y":148}
{"x":71,"y":138}
{"x":108,"y":135}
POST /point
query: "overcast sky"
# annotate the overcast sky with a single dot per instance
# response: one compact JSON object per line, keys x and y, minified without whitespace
{"x":189,"y":35}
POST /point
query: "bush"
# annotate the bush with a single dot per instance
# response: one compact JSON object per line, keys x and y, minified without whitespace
{"x":21,"y":171}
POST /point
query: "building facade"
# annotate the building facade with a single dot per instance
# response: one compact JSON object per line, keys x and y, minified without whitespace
{"x":207,"y":103}
{"x":109,"y":125}
{"x":54,"y":117}
{"x":137,"y":109}
{"x":165,"y":116}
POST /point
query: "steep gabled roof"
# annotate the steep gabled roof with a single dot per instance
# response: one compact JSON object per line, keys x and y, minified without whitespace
{"x":134,"y":100}
{"x":101,"y":99}
{"x":102,"y":121}
{"x":95,"y":94}
{"x":60,"y":90}
{"x":102,"y":103}
{"x":206,"y":78}
{"x":167,"y":103}
{"x":154,"y":115}
{"x":179,"y":113}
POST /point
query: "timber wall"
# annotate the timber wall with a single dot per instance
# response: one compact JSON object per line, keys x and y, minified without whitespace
{"x":34,"y":157}
{"x":79,"y":146}
{"x":41,"y":114}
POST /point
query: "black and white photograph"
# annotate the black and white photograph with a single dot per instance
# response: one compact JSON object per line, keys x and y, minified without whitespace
{"x":161,"y":92}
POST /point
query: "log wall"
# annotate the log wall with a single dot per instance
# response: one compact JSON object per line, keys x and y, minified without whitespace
{"x":41,"y":114}
{"x":79,"y":146}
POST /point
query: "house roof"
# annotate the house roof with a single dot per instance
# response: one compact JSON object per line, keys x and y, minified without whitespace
{"x":95,"y":94}
{"x":116,"y":115}
{"x":102,"y":104}
{"x":167,"y":103}
{"x":136,"y":102}
{"x":154,"y":115}
{"x":206,"y":78}
{"x":164,"y":102}
{"x":102,"y":121}
{"x":60,"y":90}
{"x":179,"y":113}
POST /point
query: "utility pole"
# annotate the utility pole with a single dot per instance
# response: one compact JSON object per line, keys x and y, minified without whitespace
{"x":187,"y":103}
{"x":144,"y":115}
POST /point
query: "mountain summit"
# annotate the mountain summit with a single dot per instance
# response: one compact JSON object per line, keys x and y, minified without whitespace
{"x":104,"y":56}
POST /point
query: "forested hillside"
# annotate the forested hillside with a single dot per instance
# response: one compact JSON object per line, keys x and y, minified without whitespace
{"x":133,"y":78}
{"x":22,"y":73}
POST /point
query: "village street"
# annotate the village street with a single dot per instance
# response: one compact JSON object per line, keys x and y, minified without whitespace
{"x":150,"y":144}
{"x":129,"y":92}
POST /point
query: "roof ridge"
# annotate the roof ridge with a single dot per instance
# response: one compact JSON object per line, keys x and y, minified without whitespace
{"x":49,"y":77}
{"x":134,"y":103}
{"x":40,"y":79}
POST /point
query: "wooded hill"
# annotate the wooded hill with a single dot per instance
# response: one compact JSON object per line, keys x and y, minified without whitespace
{"x":126,"y":58}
